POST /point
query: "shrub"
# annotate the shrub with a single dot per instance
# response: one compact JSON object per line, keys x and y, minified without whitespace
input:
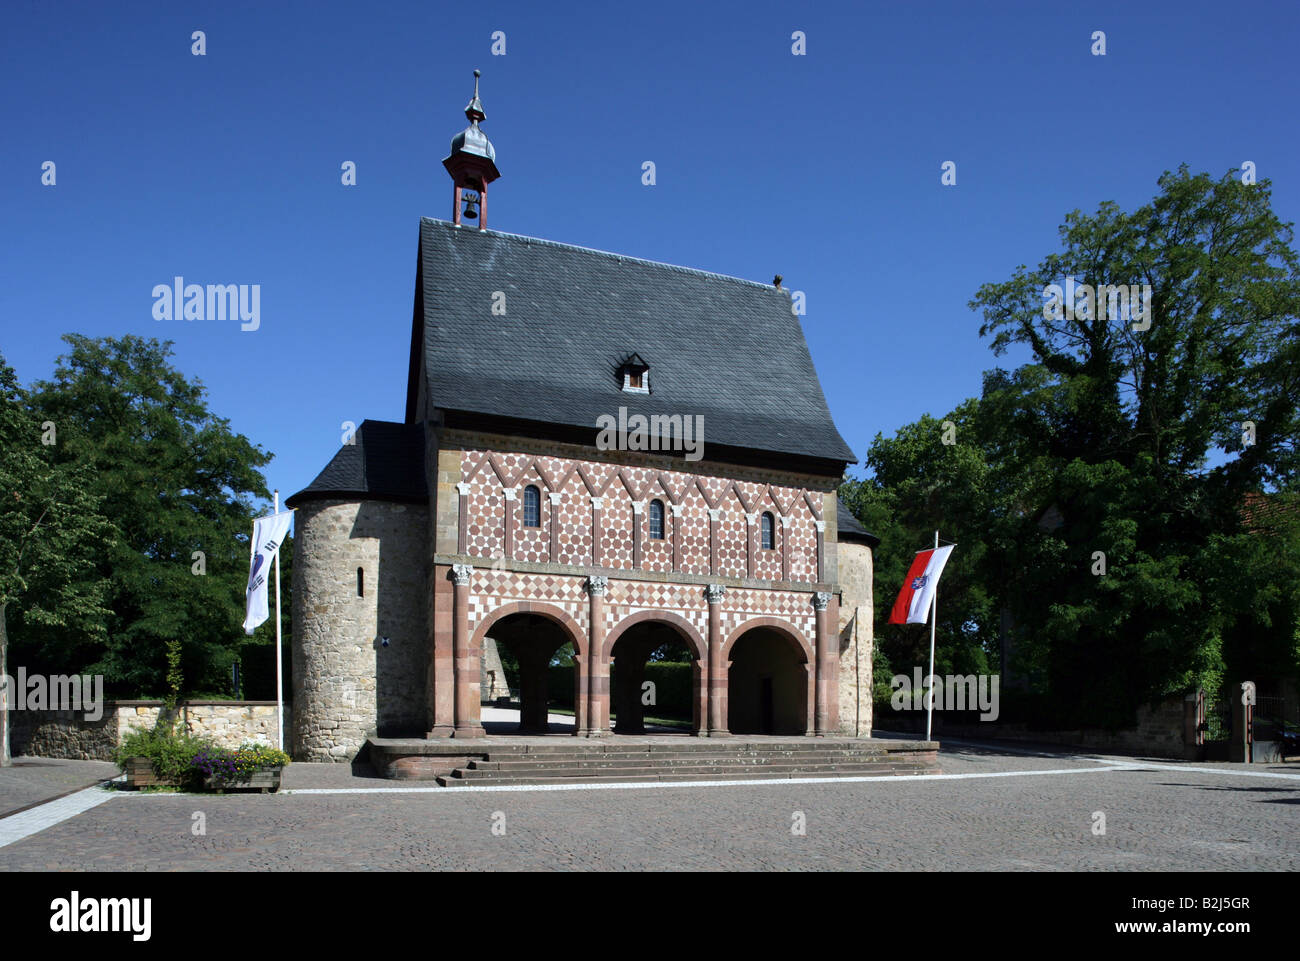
{"x":169,"y":753}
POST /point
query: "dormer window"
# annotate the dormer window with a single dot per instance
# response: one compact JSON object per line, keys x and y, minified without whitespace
{"x":636,"y":375}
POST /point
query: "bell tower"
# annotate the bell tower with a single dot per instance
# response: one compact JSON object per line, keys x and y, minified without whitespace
{"x":472,"y":166}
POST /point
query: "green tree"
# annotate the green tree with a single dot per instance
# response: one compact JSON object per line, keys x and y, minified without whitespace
{"x":1118,"y":421}
{"x":52,"y":536}
{"x":180,"y":485}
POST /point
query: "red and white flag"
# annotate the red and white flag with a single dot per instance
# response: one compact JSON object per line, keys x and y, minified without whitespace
{"x":914,"y":600}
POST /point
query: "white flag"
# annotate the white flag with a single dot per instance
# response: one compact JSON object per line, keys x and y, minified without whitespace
{"x":268,"y":534}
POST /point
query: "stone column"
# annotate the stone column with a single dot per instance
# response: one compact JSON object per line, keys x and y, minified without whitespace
{"x":441,"y":685}
{"x":554,"y":498}
{"x":717,"y":674}
{"x":714,"y":513}
{"x":677,"y":536}
{"x":785,"y":547}
{"x":508,"y":546}
{"x":597,"y":666}
{"x":468,"y":723}
{"x":596,"y":504}
{"x":462,"y":518}
{"x":750,"y":521}
{"x":822,"y":691}
{"x":638,"y":507}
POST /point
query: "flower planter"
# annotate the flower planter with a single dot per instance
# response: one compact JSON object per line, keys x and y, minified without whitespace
{"x":139,"y":773}
{"x":267,"y":780}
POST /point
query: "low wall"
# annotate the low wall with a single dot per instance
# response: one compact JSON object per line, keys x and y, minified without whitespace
{"x":1159,"y":732}
{"x":67,"y":734}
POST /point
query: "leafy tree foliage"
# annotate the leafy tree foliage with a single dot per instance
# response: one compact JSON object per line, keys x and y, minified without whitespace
{"x":178,"y":483}
{"x":1100,"y":538}
{"x":52,"y":537}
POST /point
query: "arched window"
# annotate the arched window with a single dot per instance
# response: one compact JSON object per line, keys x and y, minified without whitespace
{"x":656,"y":520}
{"x":532,"y":506}
{"x":769,"y":531}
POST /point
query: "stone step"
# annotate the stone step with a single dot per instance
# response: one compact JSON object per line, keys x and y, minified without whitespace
{"x":621,"y":778}
{"x":715,"y":751}
{"x":703,"y":760}
{"x":566,"y":771}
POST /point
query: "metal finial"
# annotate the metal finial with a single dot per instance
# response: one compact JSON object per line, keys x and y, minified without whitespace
{"x":474,"y":111}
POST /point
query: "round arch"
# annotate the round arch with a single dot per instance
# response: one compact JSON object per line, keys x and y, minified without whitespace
{"x":566,"y":623}
{"x":784,"y":628}
{"x":684,"y":627}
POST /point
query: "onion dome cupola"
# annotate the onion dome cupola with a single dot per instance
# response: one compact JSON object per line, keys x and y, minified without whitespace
{"x":472,"y":166}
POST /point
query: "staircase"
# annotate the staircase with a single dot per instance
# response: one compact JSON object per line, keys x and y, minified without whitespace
{"x":714,"y":759}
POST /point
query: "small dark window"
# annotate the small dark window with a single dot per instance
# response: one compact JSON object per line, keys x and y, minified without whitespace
{"x":361,"y":582}
{"x":769,"y":532}
{"x":532,"y":506}
{"x":634,"y":379}
{"x":656,"y":520}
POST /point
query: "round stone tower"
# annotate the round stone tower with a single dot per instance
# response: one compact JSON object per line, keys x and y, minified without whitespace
{"x":855,"y":563}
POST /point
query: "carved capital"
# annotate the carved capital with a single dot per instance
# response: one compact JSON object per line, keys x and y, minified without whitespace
{"x":462,"y":488}
{"x":461,"y":574}
{"x":713,"y":593}
{"x":750,"y":518}
{"x":785,"y":520}
{"x":821,"y":526}
{"x":638,"y":507}
{"x":598,"y":502}
{"x":820,"y":599}
{"x":597,"y":585}
{"x":510,"y":493}
{"x":676,"y":509}
{"x":554,"y":496}
{"x":714,"y":513}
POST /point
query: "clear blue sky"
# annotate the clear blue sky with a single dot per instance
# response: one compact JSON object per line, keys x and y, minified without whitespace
{"x":825,"y":168}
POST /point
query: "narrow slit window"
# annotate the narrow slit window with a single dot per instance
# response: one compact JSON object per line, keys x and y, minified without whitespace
{"x":361,"y":582}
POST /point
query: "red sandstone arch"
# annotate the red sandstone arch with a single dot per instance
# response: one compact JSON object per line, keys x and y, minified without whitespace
{"x":792,"y":635}
{"x":566,"y":623}
{"x":784,"y":628}
{"x":684,"y":627}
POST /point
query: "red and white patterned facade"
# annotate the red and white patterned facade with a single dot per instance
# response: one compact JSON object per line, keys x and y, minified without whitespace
{"x":592,"y":567}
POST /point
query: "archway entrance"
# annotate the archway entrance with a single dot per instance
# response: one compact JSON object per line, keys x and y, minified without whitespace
{"x":767,"y":684}
{"x":537,"y":656}
{"x":653,"y":674}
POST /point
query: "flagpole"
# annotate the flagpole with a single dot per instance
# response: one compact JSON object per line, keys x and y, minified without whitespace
{"x":279,"y":666}
{"x":934,"y":616}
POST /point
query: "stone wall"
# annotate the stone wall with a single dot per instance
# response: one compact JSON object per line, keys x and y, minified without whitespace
{"x":856,"y":638}
{"x":67,"y":734}
{"x":492,"y":677}
{"x":1159,"y":732}
{"x":360,"y":579}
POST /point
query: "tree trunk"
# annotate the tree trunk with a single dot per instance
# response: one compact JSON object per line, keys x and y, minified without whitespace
{"x":4,"y":688}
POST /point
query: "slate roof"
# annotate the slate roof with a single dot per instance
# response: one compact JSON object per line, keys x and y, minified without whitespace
{"x":385,"y":463}
{"x":730,"y":350}
{"x":848,"y":528}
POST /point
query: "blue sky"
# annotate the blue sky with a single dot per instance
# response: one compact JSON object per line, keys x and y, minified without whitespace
{"x":825,"y":167}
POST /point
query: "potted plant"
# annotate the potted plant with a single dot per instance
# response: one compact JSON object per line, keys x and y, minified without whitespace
{"x":250,"y":766}
{"x":158,"y":758}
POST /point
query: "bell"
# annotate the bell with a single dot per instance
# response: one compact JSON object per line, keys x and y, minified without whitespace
{"x":471,"y":208}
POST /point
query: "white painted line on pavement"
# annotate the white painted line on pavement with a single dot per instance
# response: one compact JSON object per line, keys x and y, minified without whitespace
{"x":1153,"y":766}
{"x":747,"y":782}
{"x":33,"y":820}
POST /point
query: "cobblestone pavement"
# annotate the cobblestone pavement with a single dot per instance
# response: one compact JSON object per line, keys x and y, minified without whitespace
{"x":1034,"y":813}
{"x":34,"y":779}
